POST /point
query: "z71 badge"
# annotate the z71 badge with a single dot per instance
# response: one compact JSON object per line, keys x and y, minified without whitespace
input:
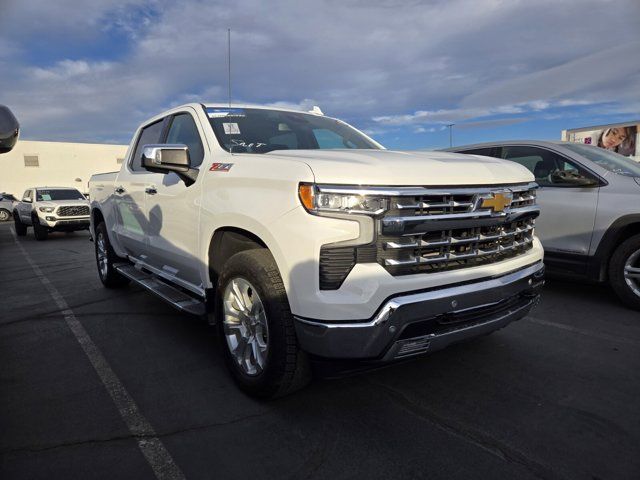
{"x":221,"y":167}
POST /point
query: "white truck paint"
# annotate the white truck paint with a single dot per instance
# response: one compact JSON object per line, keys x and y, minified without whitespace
{"x":251,"y":183}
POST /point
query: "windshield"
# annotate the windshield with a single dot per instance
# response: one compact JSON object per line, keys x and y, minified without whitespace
{"x":44,"y":195}
{"x":606,"y":159}
{"x":253,"y":130}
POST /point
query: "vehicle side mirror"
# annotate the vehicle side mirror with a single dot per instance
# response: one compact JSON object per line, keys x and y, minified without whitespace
{"x":26,"y":200}
{"x":9,"y":130}
{"x":567,"y":177}
{"x":165,"y":158}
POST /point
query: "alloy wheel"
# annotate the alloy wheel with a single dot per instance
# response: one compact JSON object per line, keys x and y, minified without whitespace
{"x":632,"y":272}
{"x":245,"y":326}
{"x":101,"y":252}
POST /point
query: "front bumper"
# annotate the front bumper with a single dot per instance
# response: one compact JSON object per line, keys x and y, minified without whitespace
{"x":64,"y":223}
{"x":427,"y":321}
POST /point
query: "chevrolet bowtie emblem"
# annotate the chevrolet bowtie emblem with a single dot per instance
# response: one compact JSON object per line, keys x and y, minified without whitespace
{"x":498,"y":201}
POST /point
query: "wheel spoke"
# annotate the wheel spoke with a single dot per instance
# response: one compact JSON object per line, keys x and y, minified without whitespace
{"x":237,"y":294}
{"x":632,"y":272}
{"x":257,"y":353}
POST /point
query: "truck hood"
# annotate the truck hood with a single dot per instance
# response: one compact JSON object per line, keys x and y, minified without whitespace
{"x":58,"y":203}
{"x":388,"y":167}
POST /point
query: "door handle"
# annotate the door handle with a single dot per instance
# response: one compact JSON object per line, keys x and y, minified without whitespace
{"x":151,"y":190}
{"x":119,"y":190}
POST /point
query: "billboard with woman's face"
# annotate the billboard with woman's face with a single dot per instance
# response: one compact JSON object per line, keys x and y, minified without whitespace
{"x":622,"y":139}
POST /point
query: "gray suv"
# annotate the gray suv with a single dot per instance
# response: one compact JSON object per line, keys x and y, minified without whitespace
{"x":590,"y":201}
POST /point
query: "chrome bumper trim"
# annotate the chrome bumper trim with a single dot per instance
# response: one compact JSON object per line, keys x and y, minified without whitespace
{"x":371,"y":338}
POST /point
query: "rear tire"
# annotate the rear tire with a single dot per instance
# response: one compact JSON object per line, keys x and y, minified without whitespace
{"x":262,"y":306}
{"x":21,"y":228}
{"x":5,"y":215}
{"x":624,"y":272}
{"x":39,"y":231}
{"x":105,"y":258}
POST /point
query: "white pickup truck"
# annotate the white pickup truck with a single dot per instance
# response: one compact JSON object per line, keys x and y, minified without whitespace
{"x":303,"y":239}
{"x":51,"y":209}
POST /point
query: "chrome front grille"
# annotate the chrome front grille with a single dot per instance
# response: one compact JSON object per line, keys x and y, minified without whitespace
{"x":73,"y":211}
{"x":458,"y":228}
{"x":456,"y":248}
{"x":460,"y":202}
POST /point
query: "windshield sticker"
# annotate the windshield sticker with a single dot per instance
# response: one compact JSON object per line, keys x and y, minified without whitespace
{"x":221,"y":167}
{"x":242,"y":143}
{"x":225,"y":112}
{"x":45,"y":197}
{"x":231,"y":128}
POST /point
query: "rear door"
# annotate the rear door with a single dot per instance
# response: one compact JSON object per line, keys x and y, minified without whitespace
{"x":129,"y":196}
{"x":173,"y":209}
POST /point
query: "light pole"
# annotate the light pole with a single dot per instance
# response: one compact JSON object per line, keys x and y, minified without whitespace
{"x":450,"y":125}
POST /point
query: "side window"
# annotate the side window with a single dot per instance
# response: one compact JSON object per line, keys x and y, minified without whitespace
{"x":284,"y":141}
{"x":549,"y":168}
{"x":329,"y":139}
{"x":27,"y":194}
{"x":487,"y":151}
{"x":148,"y":136}
{"x":183,"y":130}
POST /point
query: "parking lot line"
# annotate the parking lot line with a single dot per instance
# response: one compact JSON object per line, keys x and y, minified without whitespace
{"x":151,"y":446}
{"x":586,"y":333}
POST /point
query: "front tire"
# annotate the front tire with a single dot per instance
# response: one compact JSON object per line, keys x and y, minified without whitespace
{"x":21,"y":228}
{"x":5,"y":215}
{"x":39,"y":231}
{"x":256,"y":327}
{"x":624,"y":272}
{"x":105,"y":258}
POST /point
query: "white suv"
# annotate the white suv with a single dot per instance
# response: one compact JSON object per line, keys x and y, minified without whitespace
{"x":49,"y":209}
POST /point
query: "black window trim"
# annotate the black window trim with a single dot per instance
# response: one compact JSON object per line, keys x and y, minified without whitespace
{"x":163,"y":135}
{"x":168,"y":120}
{"x":165,"y":132}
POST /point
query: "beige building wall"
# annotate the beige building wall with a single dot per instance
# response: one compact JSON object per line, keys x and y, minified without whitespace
{"x":56,"y":164}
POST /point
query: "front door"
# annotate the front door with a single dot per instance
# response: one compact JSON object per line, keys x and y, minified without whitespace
{"x":129,"y":196}
{"x":567,"y":215}
{"x":173,"y":209}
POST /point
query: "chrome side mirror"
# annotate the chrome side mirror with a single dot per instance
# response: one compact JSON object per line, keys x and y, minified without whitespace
{"x":9,"y":130}
{"x":165,"y":158}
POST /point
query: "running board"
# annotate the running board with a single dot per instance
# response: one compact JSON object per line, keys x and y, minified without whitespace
{"x":174,"y":296}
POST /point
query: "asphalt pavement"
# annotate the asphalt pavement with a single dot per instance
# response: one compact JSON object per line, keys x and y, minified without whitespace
{"x":552,"y":396}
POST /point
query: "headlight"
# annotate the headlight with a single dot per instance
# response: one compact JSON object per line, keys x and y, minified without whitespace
{"x":316,"y":199}
{"x":47,"y":209}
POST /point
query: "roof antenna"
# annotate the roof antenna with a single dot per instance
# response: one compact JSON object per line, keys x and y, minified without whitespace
{"x":229,"y":63}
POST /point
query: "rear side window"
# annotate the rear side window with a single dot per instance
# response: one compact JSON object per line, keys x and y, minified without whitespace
{"x":184,"y":130}
{"x":148,"y":136}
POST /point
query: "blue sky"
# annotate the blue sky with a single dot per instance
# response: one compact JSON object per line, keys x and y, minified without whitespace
{"x":401,"y":70}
